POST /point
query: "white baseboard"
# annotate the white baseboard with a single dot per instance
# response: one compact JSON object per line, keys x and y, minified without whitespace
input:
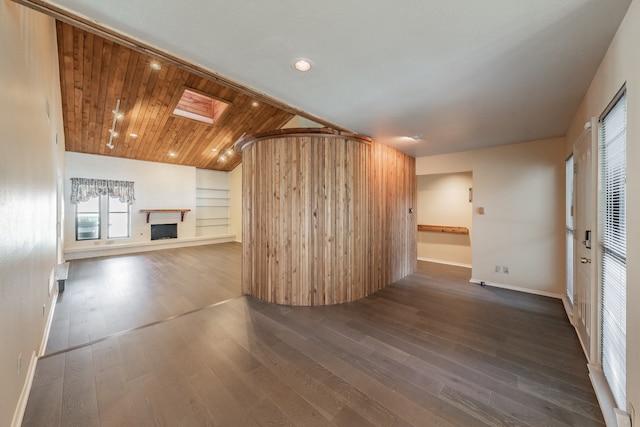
{"x":568,"y":308}
{"x":603,"y":394}
{"x":47,"y":326}
{"x":18,"y":414}
{"x":438,"y":261}
{"x":154,"y":245}
{"x":517,"y":288}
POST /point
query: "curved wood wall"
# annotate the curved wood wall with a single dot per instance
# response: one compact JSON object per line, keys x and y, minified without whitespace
{"x":325,"y":217}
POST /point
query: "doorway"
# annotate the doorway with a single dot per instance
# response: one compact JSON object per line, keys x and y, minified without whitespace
{"x":445,"y":200}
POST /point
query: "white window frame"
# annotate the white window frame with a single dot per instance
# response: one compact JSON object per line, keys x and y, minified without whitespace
{"x":78,"y":224}
{"x":109,"y":219}
{"x":104,"y":216}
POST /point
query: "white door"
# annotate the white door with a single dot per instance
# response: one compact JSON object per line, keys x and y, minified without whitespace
{"x":584,"y":291}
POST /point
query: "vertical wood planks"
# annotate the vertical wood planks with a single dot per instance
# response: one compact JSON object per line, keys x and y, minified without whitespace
{"x":325,"y":218}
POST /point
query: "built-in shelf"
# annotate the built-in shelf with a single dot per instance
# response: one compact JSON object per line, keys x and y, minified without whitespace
{"x":150,"y":211}
{"x":443,"y":229}
{"x":212,"y":209}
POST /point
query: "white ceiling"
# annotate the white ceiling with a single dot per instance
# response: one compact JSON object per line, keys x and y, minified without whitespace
{"x":463,"y":74}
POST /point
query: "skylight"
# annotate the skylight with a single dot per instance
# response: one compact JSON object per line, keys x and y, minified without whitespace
{"x":196,"y":106}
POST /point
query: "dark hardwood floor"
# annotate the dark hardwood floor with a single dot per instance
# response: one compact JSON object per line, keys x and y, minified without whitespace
{"x":164,"y":339}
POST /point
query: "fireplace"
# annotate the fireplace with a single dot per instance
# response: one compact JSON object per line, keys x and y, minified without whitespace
{"x":164,"y":231}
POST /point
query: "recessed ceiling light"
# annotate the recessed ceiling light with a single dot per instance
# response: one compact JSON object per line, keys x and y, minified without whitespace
{"x":230,"y":152}
{"x":222,"y":158}
{"x":302,"y":64}
{"x":214,"y":150}
{"x":133,"y":135}
{"x":172,"y":154}
{"x":254,"y":104}
{"x":155,"y":66}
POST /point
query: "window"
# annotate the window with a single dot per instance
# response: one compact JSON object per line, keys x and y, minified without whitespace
{"x":118,"y":219}
{"x":569,"y":225}
{"x":613,"y":248}
{"x":88,"y":219}
{"x":90,"y":216}
{"x":197,"y":106}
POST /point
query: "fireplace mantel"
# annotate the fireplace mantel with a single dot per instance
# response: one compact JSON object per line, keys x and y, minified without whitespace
{"x":149,"y":211}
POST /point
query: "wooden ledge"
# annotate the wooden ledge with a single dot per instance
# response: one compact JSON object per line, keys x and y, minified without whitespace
{"x":443,"y":229}
{"x":149,"y":211}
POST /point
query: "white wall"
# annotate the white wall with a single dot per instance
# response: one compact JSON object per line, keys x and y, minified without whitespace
{"x":521,"y":188}
{"x":622,"y":65}
{"x":29,"y":163}
{"x":443,"y":199}
{"x":157,"y":186}
{"x":235,"y":183}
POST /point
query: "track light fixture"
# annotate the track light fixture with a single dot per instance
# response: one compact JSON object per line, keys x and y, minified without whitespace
{"x":112,"y":132}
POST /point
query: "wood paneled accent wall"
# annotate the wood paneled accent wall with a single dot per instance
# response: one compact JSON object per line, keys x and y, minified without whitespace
{"x":325,"y":216}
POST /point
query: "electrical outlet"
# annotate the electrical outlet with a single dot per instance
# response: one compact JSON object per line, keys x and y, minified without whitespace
{"x":19,"y":363}
{"x":505,"y":269}
{"x":497,"y":269}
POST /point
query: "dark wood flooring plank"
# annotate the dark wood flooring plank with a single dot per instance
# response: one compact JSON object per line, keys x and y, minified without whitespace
{"x":294,"y":406}
{"x":79,"y":400}
{"x":267,"y":414}
{"x":115,"y":406}
{"x":44,"y":407}
{"x":222,"y":406}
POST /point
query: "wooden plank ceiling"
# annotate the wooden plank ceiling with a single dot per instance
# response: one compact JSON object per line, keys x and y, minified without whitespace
{"x":96,"y":72}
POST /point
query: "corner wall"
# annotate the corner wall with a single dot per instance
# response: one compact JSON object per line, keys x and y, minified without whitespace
{"x":32,"y":144}
{"x":521,"y":188}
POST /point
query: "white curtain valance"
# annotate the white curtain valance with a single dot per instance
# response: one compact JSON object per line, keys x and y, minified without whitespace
{"x":82,"y":189}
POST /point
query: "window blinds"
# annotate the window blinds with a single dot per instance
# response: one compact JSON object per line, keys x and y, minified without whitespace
{"x":613,"y":248}
{"x":569,"y":225}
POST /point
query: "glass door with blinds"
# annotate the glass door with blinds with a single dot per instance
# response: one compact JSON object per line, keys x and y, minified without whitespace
{"x":613,"y":247}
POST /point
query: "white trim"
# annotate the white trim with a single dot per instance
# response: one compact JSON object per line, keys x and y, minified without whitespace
{"x":47,"y":326}
{"x":517,"y":288}
{"x":568,"y":308}
{"x":438,"y":261}
{"x":603,"y":393}
{"x":128,"y":248}
{"x":18,"y":415}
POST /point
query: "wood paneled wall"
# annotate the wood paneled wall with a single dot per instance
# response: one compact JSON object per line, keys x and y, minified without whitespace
{"x":325,"y":217}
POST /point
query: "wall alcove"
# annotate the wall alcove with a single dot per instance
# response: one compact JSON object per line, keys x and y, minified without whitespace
{"x":327,"y":216}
